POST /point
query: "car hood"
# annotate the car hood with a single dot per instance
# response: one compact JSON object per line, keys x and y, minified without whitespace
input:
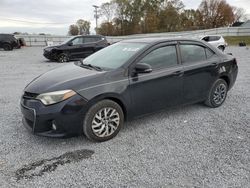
{"x":53,"y":47}
{"x":70,"y":76}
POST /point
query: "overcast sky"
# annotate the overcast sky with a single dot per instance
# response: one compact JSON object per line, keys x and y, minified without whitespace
{"x":55,"y":16}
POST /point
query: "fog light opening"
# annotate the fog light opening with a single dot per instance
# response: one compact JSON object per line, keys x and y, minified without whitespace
{"x":54,"y":127}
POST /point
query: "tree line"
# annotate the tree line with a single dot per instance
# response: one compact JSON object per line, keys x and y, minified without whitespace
{"x":125,"y":17}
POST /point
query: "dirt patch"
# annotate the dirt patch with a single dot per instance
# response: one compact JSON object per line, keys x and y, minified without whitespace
{"x":40,"y":167}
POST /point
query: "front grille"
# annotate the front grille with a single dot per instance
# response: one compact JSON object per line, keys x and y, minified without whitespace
{"x":28,"y":95}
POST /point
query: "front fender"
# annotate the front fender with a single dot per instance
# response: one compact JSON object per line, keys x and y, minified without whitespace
{"x":123,"y":102}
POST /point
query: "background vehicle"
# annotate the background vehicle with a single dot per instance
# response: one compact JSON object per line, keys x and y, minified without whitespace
{"x":125,"y":80}
{"x":22,"y":41}
{"x":8,"y":42}
{"x":75,"y":48}
{"x":216,"y":40}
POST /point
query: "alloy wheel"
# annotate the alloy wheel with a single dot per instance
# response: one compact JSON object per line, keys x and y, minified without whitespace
{"x":63,"y":58}
{"x":105,"y":122}
{"x":220,"y":94}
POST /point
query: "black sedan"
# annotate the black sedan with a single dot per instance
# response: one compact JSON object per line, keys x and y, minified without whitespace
{"x":126,"y":80}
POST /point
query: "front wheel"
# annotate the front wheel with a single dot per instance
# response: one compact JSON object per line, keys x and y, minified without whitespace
{"x":103,"y":121}
{"x":7,"y":47}
{"x":63,"y":58}
{"x":217,"y":94}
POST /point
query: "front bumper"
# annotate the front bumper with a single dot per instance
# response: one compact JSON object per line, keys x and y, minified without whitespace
{"x":49,"y":55}
{"x":67,"y":116}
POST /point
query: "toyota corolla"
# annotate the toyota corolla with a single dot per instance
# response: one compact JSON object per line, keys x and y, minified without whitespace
{"x":126,"y":80}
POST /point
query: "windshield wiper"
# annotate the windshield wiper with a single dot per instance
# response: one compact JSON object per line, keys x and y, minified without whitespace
{"x":89,"y":66}
{"x":93,"y":66}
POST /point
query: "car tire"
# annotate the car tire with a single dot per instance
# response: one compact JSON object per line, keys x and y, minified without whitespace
{"x":62,"y":58}
{"x":7,"y":47}
{"x":217,"y":94}
{"x":103,"y":121}
{"x":222,"y":48}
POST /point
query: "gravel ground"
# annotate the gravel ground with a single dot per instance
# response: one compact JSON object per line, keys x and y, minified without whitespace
{"x":191,"y":146}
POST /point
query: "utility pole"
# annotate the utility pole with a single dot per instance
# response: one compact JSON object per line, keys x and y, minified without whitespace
{"x":96,"y":16}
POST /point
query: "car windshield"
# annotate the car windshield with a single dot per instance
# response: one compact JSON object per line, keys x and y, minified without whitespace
{"x":67,"y":40}
{"x":115,"y":55}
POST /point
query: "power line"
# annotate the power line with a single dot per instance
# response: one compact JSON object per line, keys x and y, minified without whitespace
{"x":34,"y":22}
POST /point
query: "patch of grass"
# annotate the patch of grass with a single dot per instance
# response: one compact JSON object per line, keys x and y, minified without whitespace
{"x":236,"y":40}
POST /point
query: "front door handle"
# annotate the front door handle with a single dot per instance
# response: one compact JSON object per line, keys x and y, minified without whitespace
{"x":178,"y":73}
{"x":214,"y":64}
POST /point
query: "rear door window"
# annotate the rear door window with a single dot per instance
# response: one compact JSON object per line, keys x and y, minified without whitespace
{"x":209,"y":53}
{"x":99,"y":39}
{"x":191,"y":53}
{"x":89,"y":39}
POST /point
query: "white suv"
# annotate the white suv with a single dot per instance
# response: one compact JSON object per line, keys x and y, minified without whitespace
{"x":216,"y":40}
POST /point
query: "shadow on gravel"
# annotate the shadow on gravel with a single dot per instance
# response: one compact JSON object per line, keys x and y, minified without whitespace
{"x":165,"y":113}
{"x":49,"y":61}
{"x":38,"y":168}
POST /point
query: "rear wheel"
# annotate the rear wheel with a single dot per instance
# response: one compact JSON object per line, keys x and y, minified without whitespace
{"x":217,"y":94}
{"x":63,"y":58}
{"x":7,"y":47}
{"x":103,"y":121}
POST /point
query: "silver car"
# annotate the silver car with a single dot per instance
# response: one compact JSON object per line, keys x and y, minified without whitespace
{"x":216,"y":40}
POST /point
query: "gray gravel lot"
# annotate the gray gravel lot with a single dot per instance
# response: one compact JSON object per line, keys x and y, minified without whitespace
{"x":191,"y":146}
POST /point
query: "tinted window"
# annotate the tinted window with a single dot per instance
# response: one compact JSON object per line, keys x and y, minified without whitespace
{"x":192,"y":53}
{"x":11,"y":37}
{"x":89,"y":39}
{"x":209,"y":53}
{"x":161,"y":57}
{"x":214,"y":38}
{"x":77,"y":41}
{"x":99,"y":38}
{"x":206,"y":39}
{"x":7,"y":37}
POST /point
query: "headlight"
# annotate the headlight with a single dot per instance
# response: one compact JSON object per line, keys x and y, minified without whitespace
{"x":48,"y":49}
{"x":55,"y":97}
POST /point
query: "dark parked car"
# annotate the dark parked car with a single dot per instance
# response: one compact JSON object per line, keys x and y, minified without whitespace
{"x":123,"y":81}
{"x":8,"y":42}
{"x":75,"y":48}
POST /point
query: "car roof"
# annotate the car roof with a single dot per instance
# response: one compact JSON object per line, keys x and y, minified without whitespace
{"x":212,"y":36}
{"x":6,"y":34}
{"x":89,"y":36}
{"x":160,"y":40}
{"x":157,"y":40}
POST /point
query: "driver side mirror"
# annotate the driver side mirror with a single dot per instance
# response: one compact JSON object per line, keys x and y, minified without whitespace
{"x":70,"y":44}
{"x":143,"y":68}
